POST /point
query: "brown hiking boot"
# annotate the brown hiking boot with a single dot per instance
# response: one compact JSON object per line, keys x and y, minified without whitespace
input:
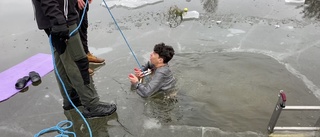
{"x":94,"y":59}
{"x":91,"y":72}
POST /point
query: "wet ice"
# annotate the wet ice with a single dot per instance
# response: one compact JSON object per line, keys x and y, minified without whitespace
{"x":130,"y":3}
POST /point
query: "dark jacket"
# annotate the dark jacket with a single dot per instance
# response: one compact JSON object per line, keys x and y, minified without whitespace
{"x":55,"y":12}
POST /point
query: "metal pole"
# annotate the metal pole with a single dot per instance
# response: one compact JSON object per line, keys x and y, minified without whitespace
{"x":277,"y":111}
{"x":302,"y":108}
{"x":297,"y":128}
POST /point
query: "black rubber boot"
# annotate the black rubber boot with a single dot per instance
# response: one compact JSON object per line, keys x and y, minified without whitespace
{"x":101,"y":110}
{"x":76,"y":102}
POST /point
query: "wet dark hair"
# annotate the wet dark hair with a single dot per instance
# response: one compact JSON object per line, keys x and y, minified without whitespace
{"x":165,"y":52}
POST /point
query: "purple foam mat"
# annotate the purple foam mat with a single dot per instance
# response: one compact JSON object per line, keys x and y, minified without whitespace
{"x":41,"y":63}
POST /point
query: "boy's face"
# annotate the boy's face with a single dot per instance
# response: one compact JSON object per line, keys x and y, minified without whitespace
{"x":155,"y":59}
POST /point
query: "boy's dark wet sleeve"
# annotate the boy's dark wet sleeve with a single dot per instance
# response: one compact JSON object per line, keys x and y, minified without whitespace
{"x":153,"y":86}
{"x":147,"y":66}
{"x":51,"y":9}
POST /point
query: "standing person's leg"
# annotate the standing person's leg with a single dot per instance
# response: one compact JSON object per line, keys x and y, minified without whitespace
{"x":76,"y":66}
{"x":70,"y":90}
{"x":62,"y":74}
{"x":83,"y":31}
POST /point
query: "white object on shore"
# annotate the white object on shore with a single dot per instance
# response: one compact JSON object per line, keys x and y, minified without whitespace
{"x":191,"y":15}
{"x":130,"y":3}
{"x":295,"y":1}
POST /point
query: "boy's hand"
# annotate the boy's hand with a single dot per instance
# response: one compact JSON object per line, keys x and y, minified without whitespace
{"x":133,"y":79}
{"x":138,"y":73}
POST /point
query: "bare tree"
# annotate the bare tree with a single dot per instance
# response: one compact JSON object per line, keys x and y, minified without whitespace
{"x":311,"y":9}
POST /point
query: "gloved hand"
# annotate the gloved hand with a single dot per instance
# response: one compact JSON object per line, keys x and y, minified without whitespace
{"x":59,"y":35}
{"x":60,"y":31}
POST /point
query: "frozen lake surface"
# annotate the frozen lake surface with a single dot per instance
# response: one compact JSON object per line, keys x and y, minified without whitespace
{"x":231,"y":62}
